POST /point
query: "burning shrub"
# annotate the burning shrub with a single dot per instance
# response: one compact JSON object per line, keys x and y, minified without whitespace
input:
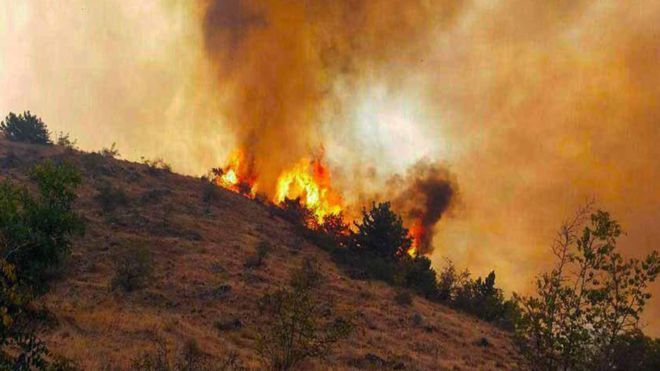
{"x":297,"y":326}
{"x":25,"y":127}
{"x":36,"y":232}
{"x":381,"y":232}
{"x":133,"y":267}
{"x":110,"y":197}
{"x":294,"y":211}
{"x":335,"y":228}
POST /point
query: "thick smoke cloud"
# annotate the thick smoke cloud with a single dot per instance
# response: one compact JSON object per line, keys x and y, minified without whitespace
{"x":537,"y":105}
{"x":423,"y":196}
{"x":278,"y":61}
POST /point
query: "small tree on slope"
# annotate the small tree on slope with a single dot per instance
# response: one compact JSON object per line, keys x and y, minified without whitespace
{"x":589,"y":303}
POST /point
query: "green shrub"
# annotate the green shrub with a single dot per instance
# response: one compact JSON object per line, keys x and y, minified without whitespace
{"x":25,"y":128}
{"x":589,"y":305}
{"x":297,"y":324}
{"x":110,"y":197}
{"x":133,"y":267}
{"x":381,"y":231}
{"x":37,"y":232}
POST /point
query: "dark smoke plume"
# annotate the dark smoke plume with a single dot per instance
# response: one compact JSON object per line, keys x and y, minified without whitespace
{"x":278,"y":61}
{"x":423,"y":196}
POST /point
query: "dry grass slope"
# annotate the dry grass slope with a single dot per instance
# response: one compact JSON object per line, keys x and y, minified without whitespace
{"x":202,"y":290}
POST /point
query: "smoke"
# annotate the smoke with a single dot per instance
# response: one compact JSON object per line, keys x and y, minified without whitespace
{"x":537,"y":105}
{"x":278,"y":62}
{"x":423,"y":196}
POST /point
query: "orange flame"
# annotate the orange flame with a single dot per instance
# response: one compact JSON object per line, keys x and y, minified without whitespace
{"x":310,"y":181}
{"x":237,"y":175}
{"x":416,"y":232}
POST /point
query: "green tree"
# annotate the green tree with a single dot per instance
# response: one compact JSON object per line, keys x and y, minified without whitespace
{"x":36,"y":232}
{"x":589,"y":302}
{"x":382,"y":232}
{"x":25,"y":127}
{"x":298,"y":325}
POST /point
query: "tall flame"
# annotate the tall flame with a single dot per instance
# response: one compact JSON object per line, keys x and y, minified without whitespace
{"x":309,"y":181}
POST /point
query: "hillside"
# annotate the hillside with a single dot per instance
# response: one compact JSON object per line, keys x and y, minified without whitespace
{"x":200,"y":280}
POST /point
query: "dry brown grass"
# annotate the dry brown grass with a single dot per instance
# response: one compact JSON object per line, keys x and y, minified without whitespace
{"x":195,"y":254}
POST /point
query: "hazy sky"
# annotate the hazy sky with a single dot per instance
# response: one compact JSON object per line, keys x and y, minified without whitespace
{"x":533,"y":107}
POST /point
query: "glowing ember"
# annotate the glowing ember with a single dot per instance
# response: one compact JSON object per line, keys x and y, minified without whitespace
{"x":310,"y":181}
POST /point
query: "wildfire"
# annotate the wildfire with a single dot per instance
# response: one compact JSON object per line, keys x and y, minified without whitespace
{"x":237,"y":175}
{"x":416,"y":231}
{"x":309,"y":181}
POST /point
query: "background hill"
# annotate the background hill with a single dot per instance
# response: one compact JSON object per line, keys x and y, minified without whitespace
{"x":201,"y":289}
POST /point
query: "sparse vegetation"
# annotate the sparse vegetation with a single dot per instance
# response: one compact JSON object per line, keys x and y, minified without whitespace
{"x":209,"y":194}
{"x":26,"y":128}
{"x":403,"y":298}
{"x":260,"y":255}
{"x":133,"y":267}
{"x":35,"y":237}
{"x":36,"y":232}
{"x":111,"y":152}
{"x":296,"y":326}
{"x":110,"y":197}
{"x":587,"y":309}
{"x":157,"y":165}
{"x":65,"y":141}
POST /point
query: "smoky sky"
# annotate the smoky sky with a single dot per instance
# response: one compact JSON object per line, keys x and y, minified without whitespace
{"x":535,"y":105}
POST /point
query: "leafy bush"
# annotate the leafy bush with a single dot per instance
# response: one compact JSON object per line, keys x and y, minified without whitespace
{"x":381,"y":232}
{"x":190,"y":357}
{"x":420,"y":277}
{"x":589,"y":305}
{"x":133,"y":267}
{"x":110,"y":197}
{"x":297,"y":323}
{"x":36,"y":232}
{"x":25,"y":127}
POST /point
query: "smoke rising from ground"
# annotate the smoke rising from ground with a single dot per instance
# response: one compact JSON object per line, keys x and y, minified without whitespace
{"x":536,"y":105}
{"x":423,"y":196}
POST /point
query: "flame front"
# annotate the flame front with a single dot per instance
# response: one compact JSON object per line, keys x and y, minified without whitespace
{"x":237,"y":175}
{"x":309,"y":181}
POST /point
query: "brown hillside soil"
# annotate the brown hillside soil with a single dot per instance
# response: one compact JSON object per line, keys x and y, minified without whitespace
{"x":200,"y":279}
